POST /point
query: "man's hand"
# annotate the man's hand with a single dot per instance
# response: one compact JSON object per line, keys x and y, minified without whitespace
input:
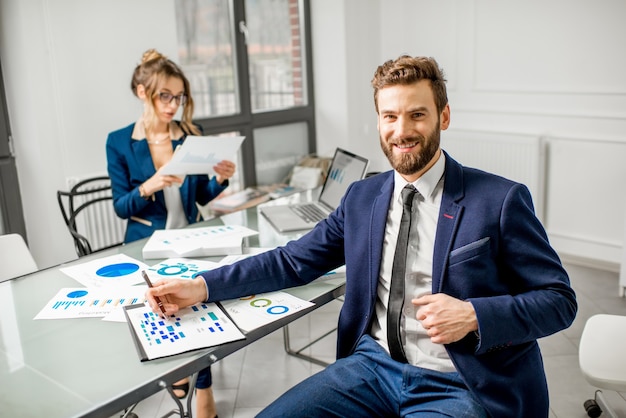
{"x":176,"y":294}
{"x":446,"y":319}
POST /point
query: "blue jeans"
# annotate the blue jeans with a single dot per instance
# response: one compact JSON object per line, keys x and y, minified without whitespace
{"x":369,"y":383}
{"x":205,"y":379}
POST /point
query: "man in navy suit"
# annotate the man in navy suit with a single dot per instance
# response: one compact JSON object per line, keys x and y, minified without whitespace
{"x":481,"y":285}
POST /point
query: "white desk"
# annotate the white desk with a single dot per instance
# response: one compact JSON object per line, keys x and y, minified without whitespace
{"x":88,"y":367}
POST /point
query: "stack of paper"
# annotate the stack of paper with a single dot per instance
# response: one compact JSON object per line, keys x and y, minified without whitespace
{"x":196,"y":242}
{"x":240,"y":200}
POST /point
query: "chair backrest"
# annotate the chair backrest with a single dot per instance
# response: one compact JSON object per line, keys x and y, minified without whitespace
{"x":87,"y":210}
{"x":15,"y":257}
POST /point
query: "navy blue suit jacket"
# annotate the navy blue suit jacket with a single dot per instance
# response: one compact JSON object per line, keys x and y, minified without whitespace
{"x":129,"y":164}
{"x":490,"y":249}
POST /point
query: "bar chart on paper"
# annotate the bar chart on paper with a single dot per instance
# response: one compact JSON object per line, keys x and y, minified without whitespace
{"x":90,"y":302}
{"x":199,"y":326}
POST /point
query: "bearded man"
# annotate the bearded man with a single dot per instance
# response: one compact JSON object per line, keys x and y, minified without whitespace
{"x":450,"y":278}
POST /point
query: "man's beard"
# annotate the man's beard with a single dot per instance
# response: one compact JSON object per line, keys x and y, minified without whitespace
{"x":411,"y":163}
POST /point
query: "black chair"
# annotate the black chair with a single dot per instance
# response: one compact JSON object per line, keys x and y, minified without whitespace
{"x":87,"y":210}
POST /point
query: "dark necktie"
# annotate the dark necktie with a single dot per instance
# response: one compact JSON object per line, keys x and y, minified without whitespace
{"x":398,"y":272}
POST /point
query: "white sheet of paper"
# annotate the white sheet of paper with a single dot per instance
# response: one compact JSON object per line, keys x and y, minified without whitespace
{"x":257,"y":310}
{"x":199,"y":154}
{"x":199,"y":326}
{"x":92,"y":302}
{"x":115,"y":270}
{"x":179,"y":268}
{"x":248,"y":252}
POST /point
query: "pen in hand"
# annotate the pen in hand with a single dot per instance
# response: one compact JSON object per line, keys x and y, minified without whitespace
{"x":149,"y":283}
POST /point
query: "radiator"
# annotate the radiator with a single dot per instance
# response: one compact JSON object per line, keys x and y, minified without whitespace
{"x":518,"y":157}
{"x":98,"y":222}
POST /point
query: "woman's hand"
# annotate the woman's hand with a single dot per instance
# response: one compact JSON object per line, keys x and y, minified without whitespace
{"x":224,"y":170}
{"x":159,"y":182}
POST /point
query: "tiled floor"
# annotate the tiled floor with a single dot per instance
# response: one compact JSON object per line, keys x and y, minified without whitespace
{"x":249,"y":380}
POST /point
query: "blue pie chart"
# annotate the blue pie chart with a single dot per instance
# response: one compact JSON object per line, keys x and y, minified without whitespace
{"x":77,"y":294}
{"x":117,"y":270}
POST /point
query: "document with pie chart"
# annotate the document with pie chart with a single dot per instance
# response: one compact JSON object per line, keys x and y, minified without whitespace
{"x":179,"y":268}
{"x":115,"y":270}
{"x":254,"y":311}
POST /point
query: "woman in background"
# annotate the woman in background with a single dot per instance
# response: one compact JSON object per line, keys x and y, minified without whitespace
{"x":148,"y":199}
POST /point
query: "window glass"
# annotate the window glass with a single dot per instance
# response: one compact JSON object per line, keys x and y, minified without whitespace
{"x":277,"y":150}
{"x":206,"y":54}
{"x":275,"y":54}
{"x":247,"y":63}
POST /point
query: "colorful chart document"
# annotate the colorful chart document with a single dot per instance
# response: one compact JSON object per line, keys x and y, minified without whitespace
{"x":79,"y":302}
{"x":115,"y":270}
{"x":257,"y":310}
{"x":199,"y":326}
{"x":179,"y":268}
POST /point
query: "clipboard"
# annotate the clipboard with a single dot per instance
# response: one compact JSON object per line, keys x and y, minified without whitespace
{"x":196,"y":327}
{"x":198,"y":154}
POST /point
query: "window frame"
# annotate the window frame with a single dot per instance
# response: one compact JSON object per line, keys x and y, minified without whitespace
{"x":11,"y":210}
{"x":246,"y":121}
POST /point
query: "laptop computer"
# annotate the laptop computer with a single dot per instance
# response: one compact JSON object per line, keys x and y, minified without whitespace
{"x":345,"y":169}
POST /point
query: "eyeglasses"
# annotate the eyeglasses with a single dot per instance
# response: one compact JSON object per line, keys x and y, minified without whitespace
{"x":167,"y":98}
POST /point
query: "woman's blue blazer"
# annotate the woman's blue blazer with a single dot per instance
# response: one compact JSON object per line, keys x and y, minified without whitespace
{"x":129,"y":164}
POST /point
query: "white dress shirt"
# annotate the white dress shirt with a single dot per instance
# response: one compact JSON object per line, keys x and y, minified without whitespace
{"x":419,"y":350}
{"x":176,"y":218}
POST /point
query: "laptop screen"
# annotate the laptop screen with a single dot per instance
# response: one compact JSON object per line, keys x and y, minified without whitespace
{"x":345,"y":169}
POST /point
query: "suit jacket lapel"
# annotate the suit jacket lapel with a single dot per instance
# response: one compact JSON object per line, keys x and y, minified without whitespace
{"x":378,"y":222}
{"x":449,"y":217}
{"x":143,"y":157}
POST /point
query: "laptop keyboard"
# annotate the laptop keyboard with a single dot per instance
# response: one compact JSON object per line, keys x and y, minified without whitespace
{"x":309,"y":212}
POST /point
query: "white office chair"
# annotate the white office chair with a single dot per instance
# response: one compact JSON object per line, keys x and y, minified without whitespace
{"x":601,"y":357}
{"x":15,"y":257}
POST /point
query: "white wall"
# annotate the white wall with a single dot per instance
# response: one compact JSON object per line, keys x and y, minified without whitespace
{"x":346,"y":52}
{"x":549,"y":68}
{"x":67,"y":66}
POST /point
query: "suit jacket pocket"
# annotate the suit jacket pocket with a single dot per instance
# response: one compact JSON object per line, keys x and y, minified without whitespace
{"x":470,"y":250}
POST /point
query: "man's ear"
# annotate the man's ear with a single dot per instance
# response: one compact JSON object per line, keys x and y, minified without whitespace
{"x":444,"y":120}
{"x":141,"y":91}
